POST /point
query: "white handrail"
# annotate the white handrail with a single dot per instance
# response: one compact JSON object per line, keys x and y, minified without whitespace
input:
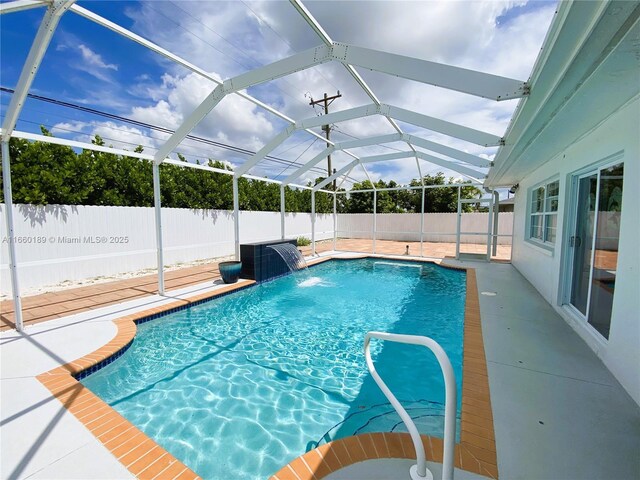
{"x":420,"y":471}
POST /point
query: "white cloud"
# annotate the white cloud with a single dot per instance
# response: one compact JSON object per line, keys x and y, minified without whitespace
{"x":234,"y":120}
{"x":121,"y":136}
{"x":229,"y":38}
{"x":81,"y":57}
{"x":94,"y":59}
{"x":162,"y":114}
{"x":221,"y":36}
{"x":113,"y":134}
{"x":65,"y":128}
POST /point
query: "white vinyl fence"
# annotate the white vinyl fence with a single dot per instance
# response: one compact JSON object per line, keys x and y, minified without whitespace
{"x":438,"y":227}
{"x":58,"y":243}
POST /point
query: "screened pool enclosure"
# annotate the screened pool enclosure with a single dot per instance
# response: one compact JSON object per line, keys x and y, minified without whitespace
{"x":416,"y":150}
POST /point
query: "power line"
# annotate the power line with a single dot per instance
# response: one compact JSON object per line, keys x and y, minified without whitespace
{"x":203,"y":157}
{"x":303,"y":152}
{"x":306,"y":140}
{"x":108,"y":127}
{"x":137,"y":123}
{"x":232,"y":148}
{"x":194,"y":138}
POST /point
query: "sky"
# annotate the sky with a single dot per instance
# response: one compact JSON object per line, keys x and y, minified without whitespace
{"x":91,"y":66}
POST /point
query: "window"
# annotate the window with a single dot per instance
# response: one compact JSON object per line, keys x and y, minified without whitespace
{"x":543,"y":212}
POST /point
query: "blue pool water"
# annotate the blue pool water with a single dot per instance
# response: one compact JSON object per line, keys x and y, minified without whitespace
{"x":241,"y":385}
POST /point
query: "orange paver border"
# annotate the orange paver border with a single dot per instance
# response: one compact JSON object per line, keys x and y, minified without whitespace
{"x":145,"y":459}
{"x":476,"y":451}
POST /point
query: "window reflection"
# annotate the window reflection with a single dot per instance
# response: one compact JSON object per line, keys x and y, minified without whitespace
{"x":606,"y":248}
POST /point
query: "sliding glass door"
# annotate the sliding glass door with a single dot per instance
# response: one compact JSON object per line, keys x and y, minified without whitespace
{"x":594,"y":244}
{"x":582,"y":241}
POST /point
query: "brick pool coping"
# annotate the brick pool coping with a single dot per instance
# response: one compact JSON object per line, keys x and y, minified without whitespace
{"x":145,"y":459}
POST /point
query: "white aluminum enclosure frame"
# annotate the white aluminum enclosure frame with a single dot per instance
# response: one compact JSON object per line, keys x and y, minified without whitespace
{"x":486,"y":86}
{"x":19,"y":5}
{"x":399,"y":155}
{"x":423,"y":188}
{"x":394,"y":137}
{"x":43,"y":37}
{"x":313,"y":23}
{"x":490,"y":233}
{"x":453,"y":78}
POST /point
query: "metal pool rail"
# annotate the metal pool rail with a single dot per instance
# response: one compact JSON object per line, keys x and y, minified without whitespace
{"x":419,"y":471}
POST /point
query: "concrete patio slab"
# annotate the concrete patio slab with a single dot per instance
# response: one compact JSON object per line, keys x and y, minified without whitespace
{"x":37,"y":432}
{"x":546,"y":346}
{"x":554,"y":427}
{"x":558,"y":411}
{"x":78,"y":463}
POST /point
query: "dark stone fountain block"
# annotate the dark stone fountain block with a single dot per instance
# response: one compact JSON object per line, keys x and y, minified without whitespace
{"x":260,"y":263}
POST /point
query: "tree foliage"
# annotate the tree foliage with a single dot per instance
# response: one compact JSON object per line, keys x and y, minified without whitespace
{"x":439,"y":199}
{"x":45,"y":173}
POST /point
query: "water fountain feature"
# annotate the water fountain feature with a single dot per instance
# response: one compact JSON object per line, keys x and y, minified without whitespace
{"x":291,"y":256}
{"x":262,"y":263}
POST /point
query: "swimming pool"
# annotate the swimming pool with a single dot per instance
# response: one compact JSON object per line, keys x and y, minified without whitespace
{"x":243,"y":384}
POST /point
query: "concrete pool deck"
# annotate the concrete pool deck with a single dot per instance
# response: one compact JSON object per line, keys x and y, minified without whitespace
{"x":558,"y":412}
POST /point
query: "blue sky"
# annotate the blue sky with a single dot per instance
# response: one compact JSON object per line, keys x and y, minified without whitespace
{"x":92,"y":66}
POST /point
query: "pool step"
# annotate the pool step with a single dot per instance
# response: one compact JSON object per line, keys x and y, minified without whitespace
{"x":428,"y":417}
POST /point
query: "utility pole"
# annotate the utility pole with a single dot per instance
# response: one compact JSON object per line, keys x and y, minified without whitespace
{"x":326,"y":101}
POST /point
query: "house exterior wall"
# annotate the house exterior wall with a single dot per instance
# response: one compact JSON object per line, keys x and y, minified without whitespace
{"x":544,"y":269}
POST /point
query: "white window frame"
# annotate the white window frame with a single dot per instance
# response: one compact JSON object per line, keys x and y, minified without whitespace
{"x":543,"y":214}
